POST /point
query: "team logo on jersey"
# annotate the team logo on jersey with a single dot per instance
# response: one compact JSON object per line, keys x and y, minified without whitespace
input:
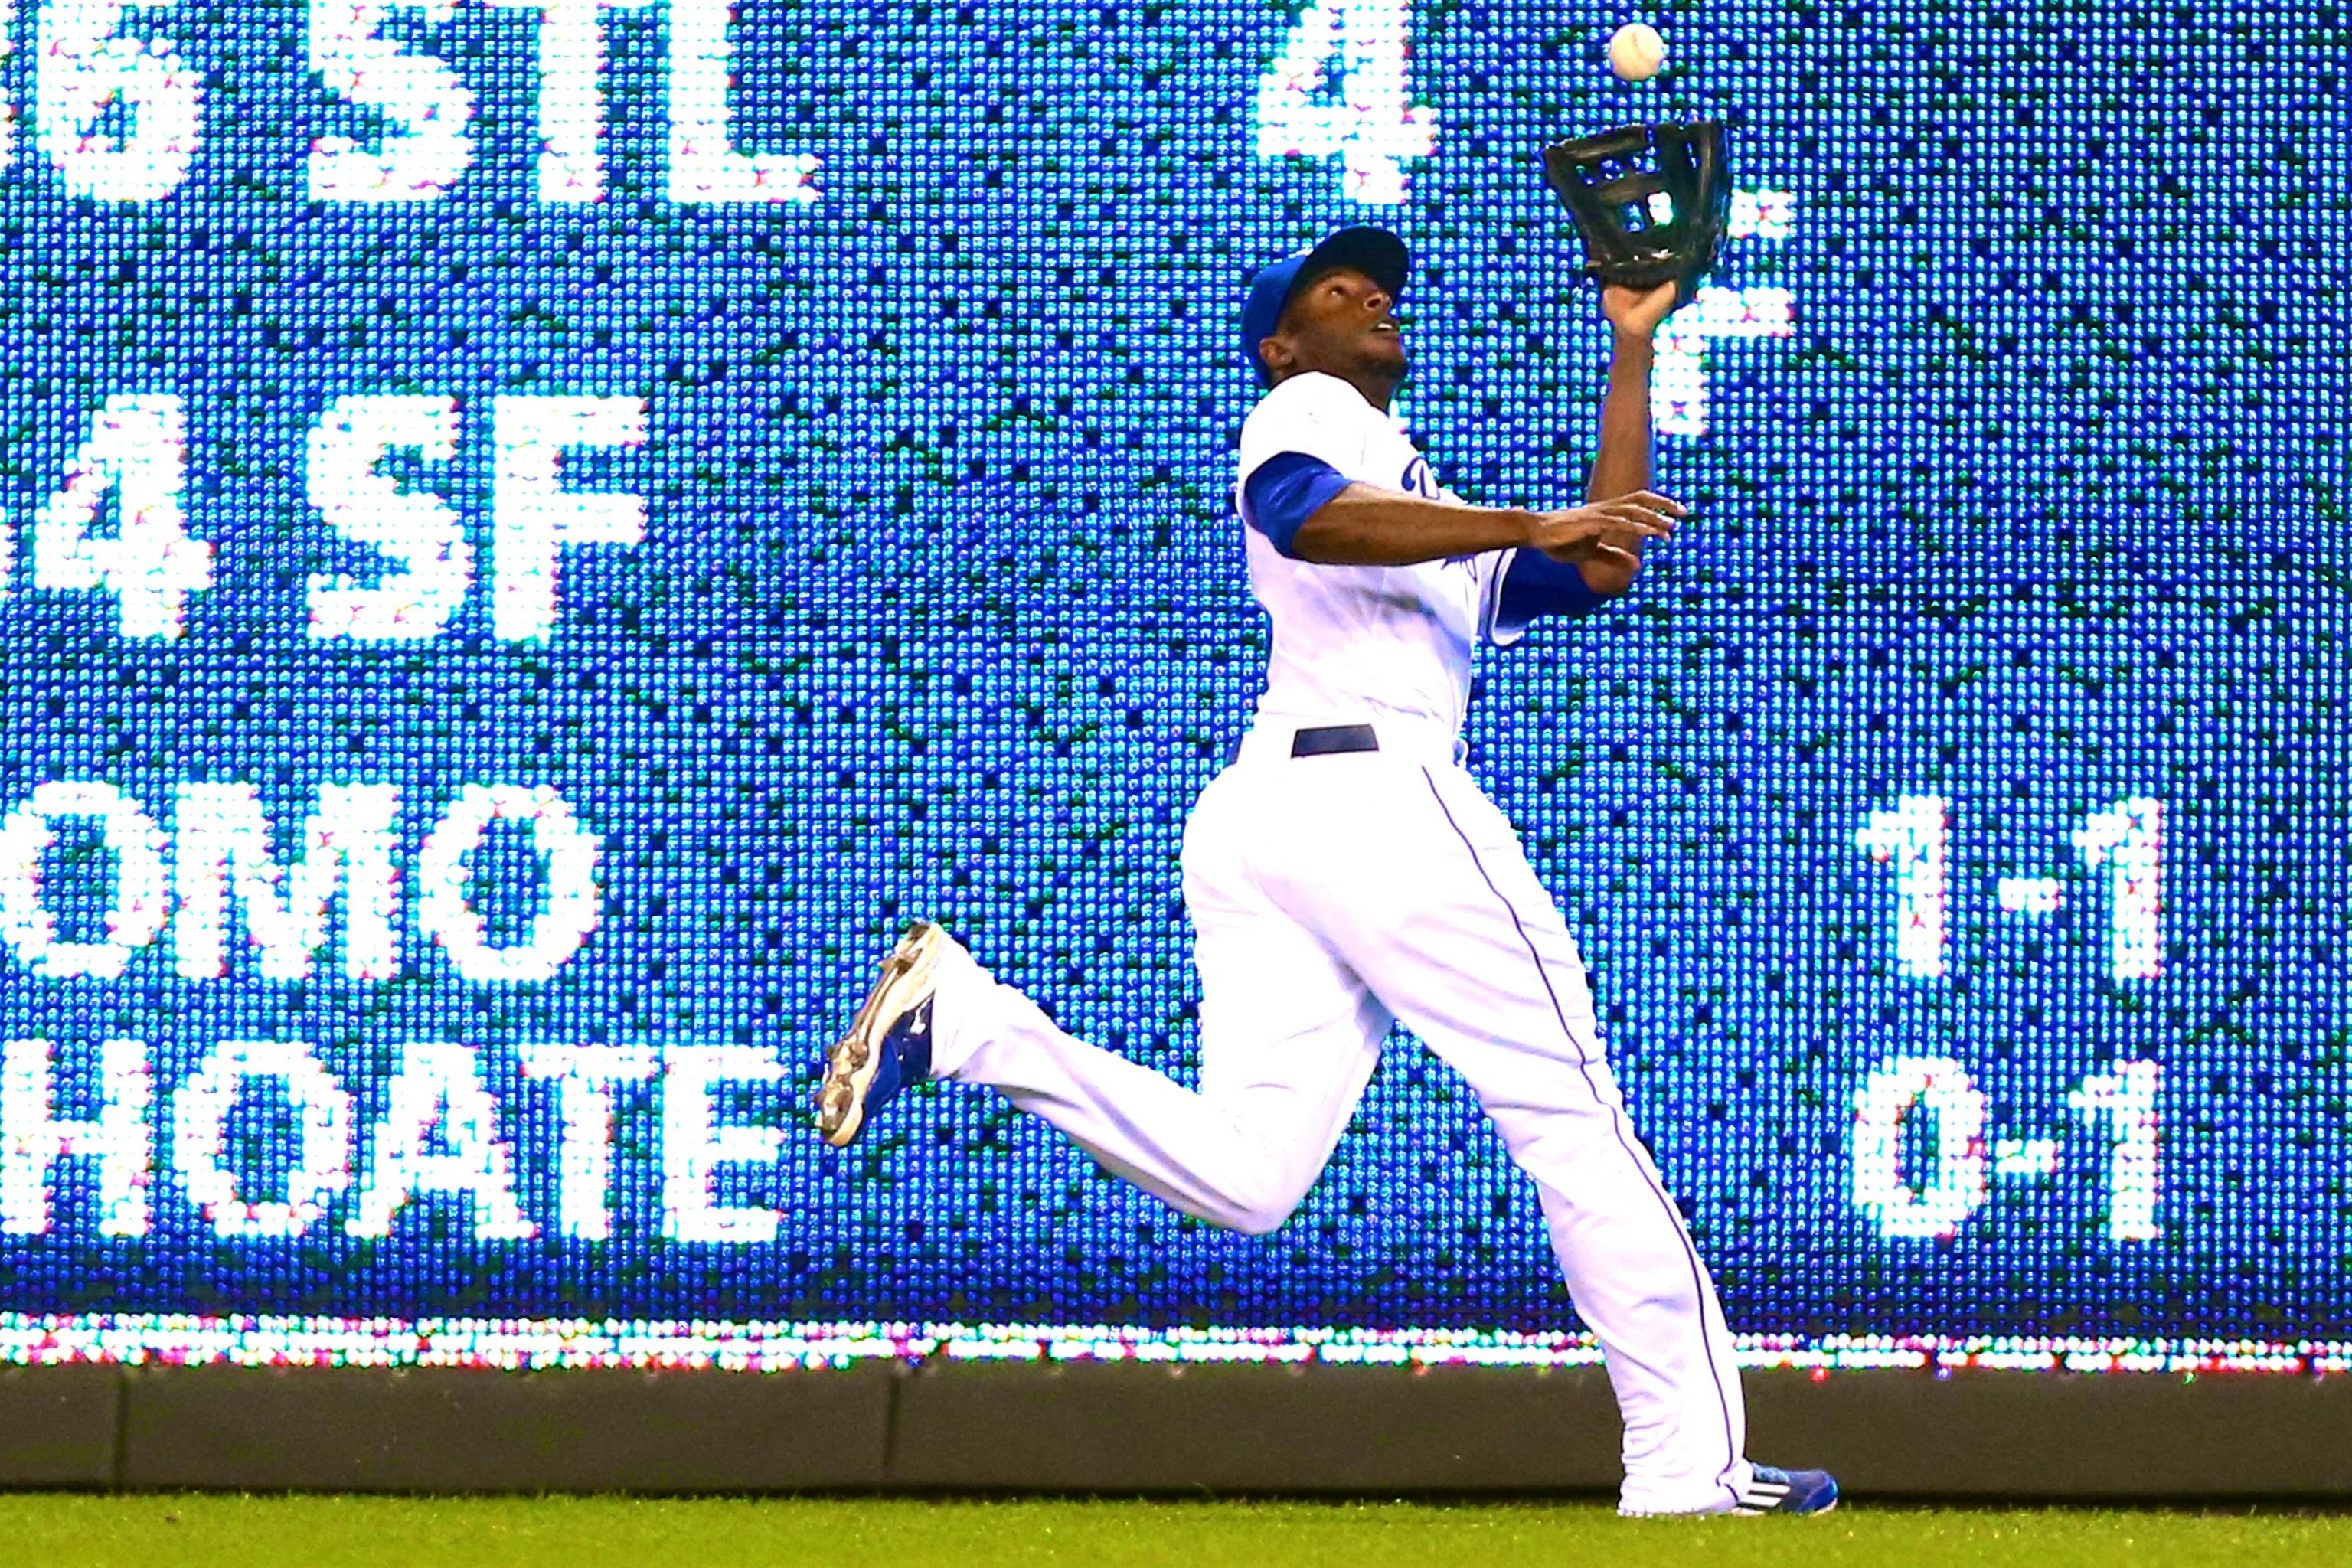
{"x":1418,"y":480}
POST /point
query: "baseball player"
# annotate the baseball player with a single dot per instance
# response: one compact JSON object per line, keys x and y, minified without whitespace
{"x":1343,"y":872}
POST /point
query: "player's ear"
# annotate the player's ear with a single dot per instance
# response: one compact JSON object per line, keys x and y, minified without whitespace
{"x":1275,"y":356}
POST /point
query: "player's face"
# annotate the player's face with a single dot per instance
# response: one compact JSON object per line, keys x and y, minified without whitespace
{"x":1341,"y":322}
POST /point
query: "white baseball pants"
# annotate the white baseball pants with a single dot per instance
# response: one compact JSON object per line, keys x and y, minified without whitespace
{"x":1332,"y":894}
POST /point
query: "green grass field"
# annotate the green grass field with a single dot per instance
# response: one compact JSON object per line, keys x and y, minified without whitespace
{"x":82,"y":1530}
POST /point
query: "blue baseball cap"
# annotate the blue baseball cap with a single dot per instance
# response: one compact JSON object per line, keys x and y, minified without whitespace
{"x":1375,"y":252}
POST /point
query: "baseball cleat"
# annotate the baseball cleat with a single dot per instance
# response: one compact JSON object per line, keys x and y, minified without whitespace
{"x":888,"y":1044}
{"x":1788,"y":1491}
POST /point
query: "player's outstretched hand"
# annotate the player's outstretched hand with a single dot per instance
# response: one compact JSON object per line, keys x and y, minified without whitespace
{"x":1597,"y":532}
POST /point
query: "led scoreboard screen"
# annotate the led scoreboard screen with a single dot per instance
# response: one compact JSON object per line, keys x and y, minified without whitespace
{"x":536,"y":535}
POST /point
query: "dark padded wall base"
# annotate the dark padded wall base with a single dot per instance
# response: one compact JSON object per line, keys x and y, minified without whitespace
{"x":1363,"y":1429}
{"x":2042,"y":1435}
{"x":1118,"y":1426}
{"x":58,"y":1426}
{"x":450,"y":1430}
{"x":1129,"y":1428}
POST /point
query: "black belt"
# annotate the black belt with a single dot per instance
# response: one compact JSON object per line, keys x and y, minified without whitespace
{"x":1332,"y":737}
{"x":1322,"y":741}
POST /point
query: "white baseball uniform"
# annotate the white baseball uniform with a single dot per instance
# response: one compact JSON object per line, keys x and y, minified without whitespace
{"x":1333,"y":894}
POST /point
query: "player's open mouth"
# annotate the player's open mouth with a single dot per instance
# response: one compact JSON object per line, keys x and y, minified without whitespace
{"x":1384,"y":326}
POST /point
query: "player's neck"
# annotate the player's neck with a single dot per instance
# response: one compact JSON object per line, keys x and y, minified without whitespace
{"x":1376,"y":386}
{"x":1377,"y":389}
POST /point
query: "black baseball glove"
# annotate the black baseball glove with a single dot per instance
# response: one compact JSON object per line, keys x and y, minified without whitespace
{"x":1608,"y":182}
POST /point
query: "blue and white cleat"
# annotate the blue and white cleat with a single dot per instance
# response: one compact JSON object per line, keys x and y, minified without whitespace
{"x":1788,"y":1491}
{"x":889,"y":1046}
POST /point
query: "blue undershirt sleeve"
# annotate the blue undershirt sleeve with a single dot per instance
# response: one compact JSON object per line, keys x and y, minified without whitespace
{"x":1536,"y":584}
{"x":1284,"y":491}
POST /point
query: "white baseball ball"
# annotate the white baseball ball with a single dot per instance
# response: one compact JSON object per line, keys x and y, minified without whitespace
{"x":1635,"y":51}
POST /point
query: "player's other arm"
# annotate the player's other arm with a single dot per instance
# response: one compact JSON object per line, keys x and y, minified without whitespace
{"x":1310,"y":513}
{"x":1622,"y":465}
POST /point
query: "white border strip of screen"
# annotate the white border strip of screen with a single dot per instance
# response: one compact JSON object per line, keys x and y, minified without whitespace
{"x":550,"y":1343}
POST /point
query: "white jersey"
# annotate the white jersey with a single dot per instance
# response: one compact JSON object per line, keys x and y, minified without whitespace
{"x":1354,"y":642}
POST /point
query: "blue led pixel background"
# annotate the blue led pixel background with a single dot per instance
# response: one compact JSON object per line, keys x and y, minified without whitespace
{"x":939,"y":609}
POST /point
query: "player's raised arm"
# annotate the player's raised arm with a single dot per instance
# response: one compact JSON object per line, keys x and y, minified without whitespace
{"x":1623,"y":465}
